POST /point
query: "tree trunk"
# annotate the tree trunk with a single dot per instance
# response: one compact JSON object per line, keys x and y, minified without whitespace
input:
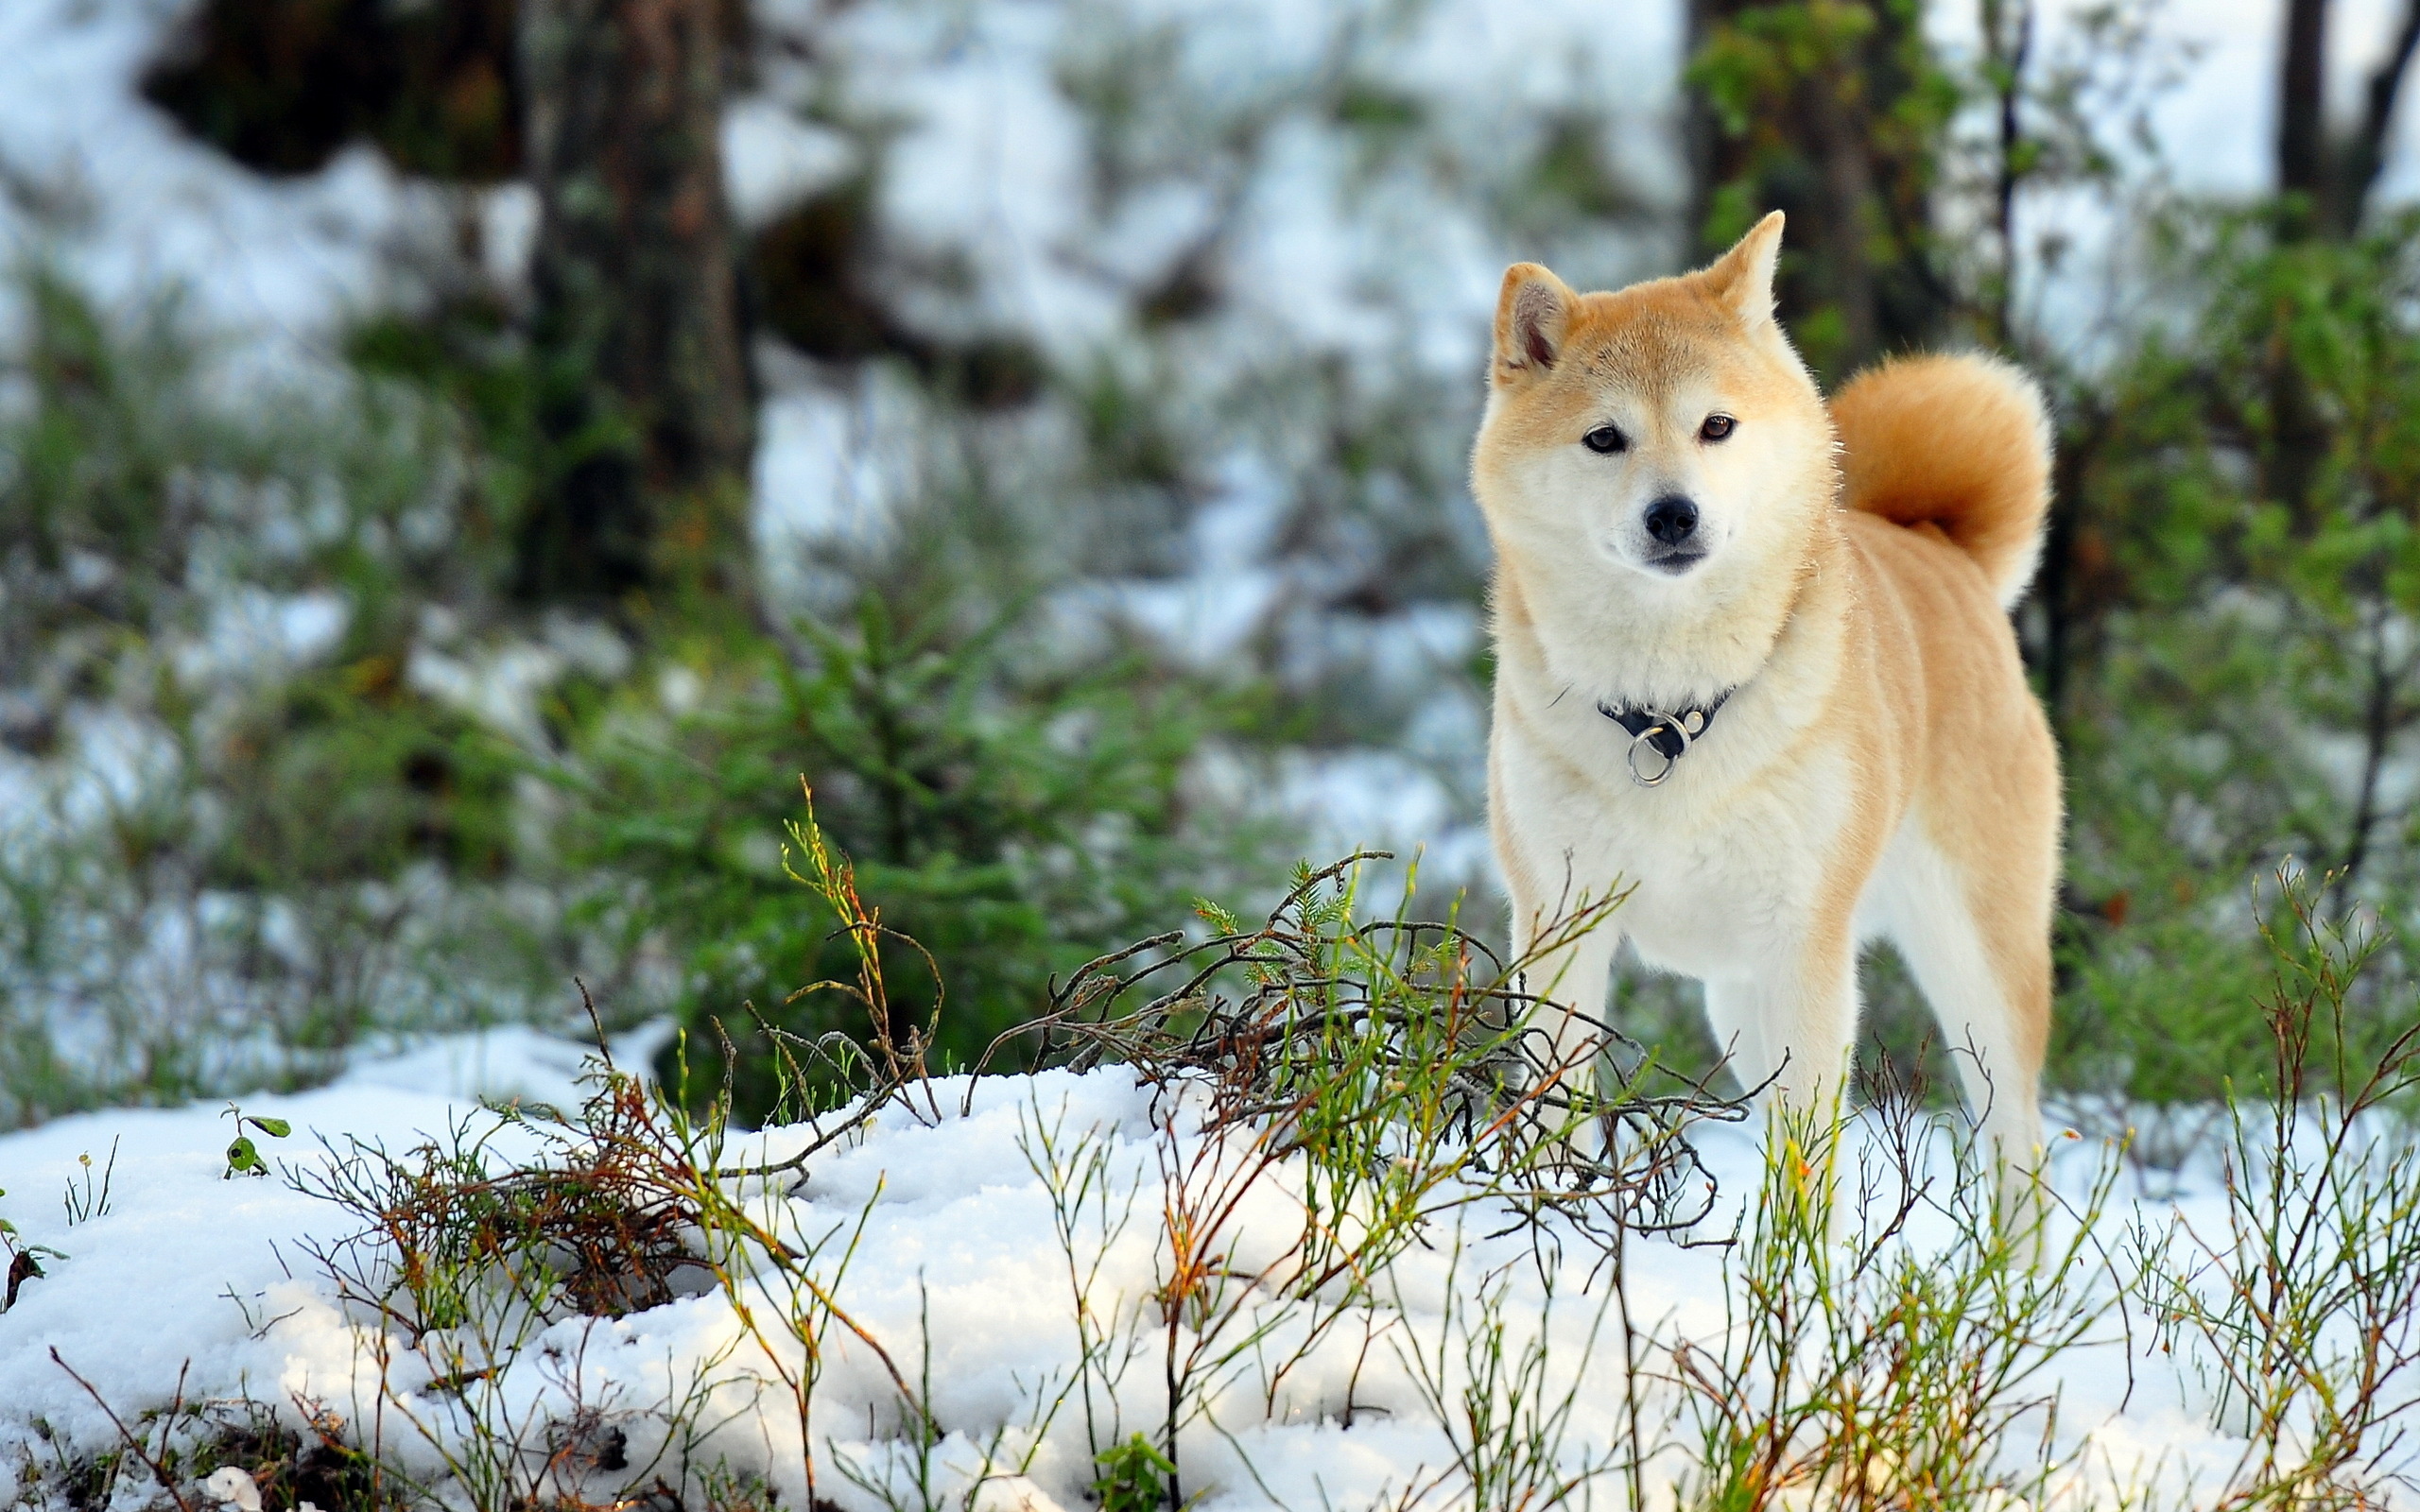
{"x":2302,"y":110}
{"x":2365,"y":155}
{"x":1715,"y":157}
{"x":2332,"y":175}
{"x":1833,"y":136}
{"x":2008,"y":52}
{"x":1843,"y":236}
{"x":644,"y":392}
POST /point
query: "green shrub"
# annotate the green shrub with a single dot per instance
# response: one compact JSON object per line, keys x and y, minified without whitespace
{"x":1015,"y":828}
{"x":1134,"y":1476}
{"x":2235,"y":677}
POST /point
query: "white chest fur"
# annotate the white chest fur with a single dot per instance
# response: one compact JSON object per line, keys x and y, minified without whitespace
{"x":1722,"y":860}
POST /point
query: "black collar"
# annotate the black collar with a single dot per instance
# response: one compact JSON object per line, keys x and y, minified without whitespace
{"x":1667,"y":732}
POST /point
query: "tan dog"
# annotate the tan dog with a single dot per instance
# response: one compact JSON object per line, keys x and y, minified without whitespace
{"x":1753,"y":658}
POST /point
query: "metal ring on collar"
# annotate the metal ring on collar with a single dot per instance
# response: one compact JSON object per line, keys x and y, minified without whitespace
{"x":1647,"y":737}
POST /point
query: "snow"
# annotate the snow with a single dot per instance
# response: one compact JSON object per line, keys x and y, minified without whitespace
{"x":828,"y":471}
{"x":106,"y":185}
{"x":513,"y":1063}
{"x":771,"y":159}
{"x":233,"y":1487}
{"x":995,"y":169}
{"x":502,"y":685}
{"x":958,"y":1271}
{"x":256,"y":635}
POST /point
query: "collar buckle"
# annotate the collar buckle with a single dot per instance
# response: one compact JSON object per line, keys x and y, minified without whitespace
{"x":1665,"y":735}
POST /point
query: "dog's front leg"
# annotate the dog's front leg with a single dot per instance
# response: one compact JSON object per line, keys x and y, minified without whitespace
{"x":1566,"y":1033}
{"x":1562,"y":970}
{"x":1787,"y":1022}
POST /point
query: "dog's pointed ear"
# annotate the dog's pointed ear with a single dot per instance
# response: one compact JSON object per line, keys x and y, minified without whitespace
{"x":1532,"y":317}
{"x":1743,"y":277}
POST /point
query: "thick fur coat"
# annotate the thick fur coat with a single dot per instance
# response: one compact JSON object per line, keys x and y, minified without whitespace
{"x":1678,"y":518}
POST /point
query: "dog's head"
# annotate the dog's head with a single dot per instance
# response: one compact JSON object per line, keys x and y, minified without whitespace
{"x":1667,"y":433}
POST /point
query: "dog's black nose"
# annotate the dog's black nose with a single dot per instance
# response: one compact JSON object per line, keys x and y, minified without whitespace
{"x":1671,"y":518}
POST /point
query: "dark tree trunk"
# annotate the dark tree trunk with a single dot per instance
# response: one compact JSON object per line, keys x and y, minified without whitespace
{"x":645,"y":395}
{"x":1830,"y":145}
{"x":2325,"y":183}
{"x":1715,"y":157}
{"x":2306,"y":187}
{"x":2365,"y":155}
{"x":1844,"y":234}
{"x":2007,"y":51}
{"x":2301,"y":108}
{"x":2331,"y":176}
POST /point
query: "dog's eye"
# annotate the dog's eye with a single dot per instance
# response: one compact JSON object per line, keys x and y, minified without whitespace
{"x":1606,"y":439}
{"x":1717,"y":427}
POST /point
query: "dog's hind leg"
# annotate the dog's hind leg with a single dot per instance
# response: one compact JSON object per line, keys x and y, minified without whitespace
{"x":1987,"y":974}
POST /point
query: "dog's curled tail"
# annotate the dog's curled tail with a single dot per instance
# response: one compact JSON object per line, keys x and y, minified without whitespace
{"x":1960,"y":442}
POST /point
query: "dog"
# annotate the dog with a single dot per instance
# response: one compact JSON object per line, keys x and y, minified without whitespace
{"x":1754,"y":663}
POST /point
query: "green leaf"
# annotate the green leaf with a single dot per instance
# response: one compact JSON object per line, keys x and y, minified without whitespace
{"x":276,"y":1128}
{"x":1134,"y":1476}
{"x":244,"y":1155}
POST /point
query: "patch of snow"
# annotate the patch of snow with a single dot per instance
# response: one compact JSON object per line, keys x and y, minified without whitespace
{"x":822,"y":469}
{"x":116,"y":191}
{"x":507,"y":218}
{"x":961,"y":1263}
{"x":772,"y":159}
{"x":509,"y":1063}
{"x":1383,"y":799}
{"x":254,"y":635}
{"x":502,"y":684}
{"x":233,"y":1487}
{"x":996,"y":168}
{"x":498,"y":685}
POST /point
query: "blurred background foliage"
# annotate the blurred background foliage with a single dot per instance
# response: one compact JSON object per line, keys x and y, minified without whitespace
{"x":402,"y":689}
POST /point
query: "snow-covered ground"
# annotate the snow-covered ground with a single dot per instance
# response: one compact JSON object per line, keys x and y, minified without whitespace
{"x":960,"y":1270}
